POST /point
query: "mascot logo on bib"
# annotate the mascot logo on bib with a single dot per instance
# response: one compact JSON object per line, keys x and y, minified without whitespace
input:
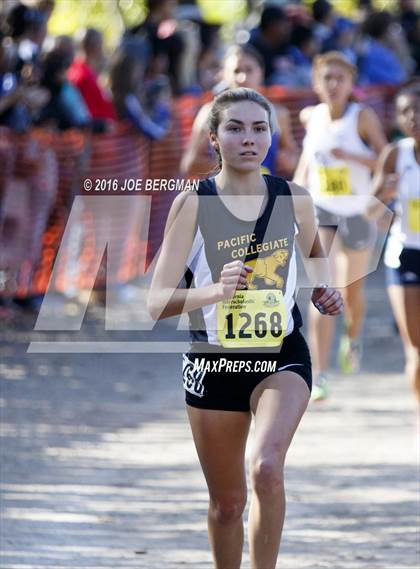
{"x":266,"y":267}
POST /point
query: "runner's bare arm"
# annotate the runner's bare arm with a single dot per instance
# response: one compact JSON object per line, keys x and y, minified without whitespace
{"x":385,"y":182}
{"x":197,"y":159}
{"x":305,"y":115}
{"x":165,"y":299}
{"x":308,"y":238}
{"x":301,"y":173}
{"x":288,"y":154}
{"x":370,"y":130}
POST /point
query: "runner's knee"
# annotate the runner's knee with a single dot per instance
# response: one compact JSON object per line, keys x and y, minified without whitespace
{"x":413,"y":357}
{"x":267,"y":475}
{"x":227,"y":509}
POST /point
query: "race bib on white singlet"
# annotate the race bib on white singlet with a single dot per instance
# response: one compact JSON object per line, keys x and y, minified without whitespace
{"x":414,"y":215}
{"x":252,"y":318}
{"x":334,"y":181}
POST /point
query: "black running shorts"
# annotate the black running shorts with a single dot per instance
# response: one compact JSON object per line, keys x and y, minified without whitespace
{"x":408,"y":273}
{"x":225,"y":381}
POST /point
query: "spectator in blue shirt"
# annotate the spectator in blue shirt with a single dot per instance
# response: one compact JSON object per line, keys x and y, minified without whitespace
{"x":343,"y":39}
{"x":379,"y":64}
{"x":304,"y":46}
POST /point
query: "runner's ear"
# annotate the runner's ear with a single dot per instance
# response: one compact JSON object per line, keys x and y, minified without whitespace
{"x":213,"y":141}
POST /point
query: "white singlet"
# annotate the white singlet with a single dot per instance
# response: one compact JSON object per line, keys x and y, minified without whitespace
{"x":405,"y":230}
{"x":334,"y":183}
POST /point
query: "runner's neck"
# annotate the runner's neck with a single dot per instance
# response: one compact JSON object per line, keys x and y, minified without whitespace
{"x":240,"y":183}
{"x":338,"y":111}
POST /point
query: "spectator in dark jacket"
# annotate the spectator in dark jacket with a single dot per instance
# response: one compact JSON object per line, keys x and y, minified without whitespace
{"x":145,"y":110}
{"x":19,"y":101}
{"x":66,"y":108}
{"x":409,"y":19}
{"x":324,"y":19}
{"x":272,"y":40}
{"x":167,"y":46}
{"x":28,"y":28}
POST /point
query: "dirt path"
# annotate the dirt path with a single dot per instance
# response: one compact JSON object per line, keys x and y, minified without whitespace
{"x":98,"y":468}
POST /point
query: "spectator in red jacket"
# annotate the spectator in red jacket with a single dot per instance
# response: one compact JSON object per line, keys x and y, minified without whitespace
{"x":83,"y":73}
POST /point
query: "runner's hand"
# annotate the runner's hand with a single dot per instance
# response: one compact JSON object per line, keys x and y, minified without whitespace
{"x":339,"y":153}
{"x":232,"y":278}
{"x":389,"y":188}
{"x":328,"y":301}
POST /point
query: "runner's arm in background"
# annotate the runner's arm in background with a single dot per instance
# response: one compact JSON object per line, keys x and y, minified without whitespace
{"x":327,"y":300}
{"x":385,"y":182}
{"x":371,"y":132}
{"x":301,"y":173}
{"x":288,"y":153}
{"x":199,"y":158}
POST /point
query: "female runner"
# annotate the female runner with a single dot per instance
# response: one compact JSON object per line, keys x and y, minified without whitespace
{"x":398,"y":183}
{"x":236,"y":236}
{"x":243,"y":67}
{"x":340,"y":150}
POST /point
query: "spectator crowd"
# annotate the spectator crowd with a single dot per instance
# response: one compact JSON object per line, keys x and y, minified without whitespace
{"x":68,"y":82}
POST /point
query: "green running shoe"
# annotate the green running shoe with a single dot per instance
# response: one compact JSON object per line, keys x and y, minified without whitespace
{"x":320,"y":388}
{"x":349,"y":355}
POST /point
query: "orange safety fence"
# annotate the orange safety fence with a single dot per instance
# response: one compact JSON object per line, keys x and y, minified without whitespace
{"x":165,"y":157}
{"x":69,"y":149}
{"x":98,"y":225}
{"x":28,"y":194}
{"x":43,"y":172}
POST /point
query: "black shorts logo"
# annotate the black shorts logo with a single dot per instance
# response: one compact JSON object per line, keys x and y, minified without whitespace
{"x":192,"y":377}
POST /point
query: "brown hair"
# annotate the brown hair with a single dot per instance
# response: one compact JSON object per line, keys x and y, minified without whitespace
{"x":333,"y":57}
{"x":227,"y":98}
{"x":412,"y":87}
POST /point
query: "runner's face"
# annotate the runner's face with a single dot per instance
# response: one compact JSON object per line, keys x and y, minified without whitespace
{"x":333,"y":84}
{"x":408,"y":114}
{"x":243,"y":136}
{"x":243,"y":71}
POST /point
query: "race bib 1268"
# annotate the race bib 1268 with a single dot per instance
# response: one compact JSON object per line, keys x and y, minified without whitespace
{"x":252,"y":318}
{"x":334,"y":181}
